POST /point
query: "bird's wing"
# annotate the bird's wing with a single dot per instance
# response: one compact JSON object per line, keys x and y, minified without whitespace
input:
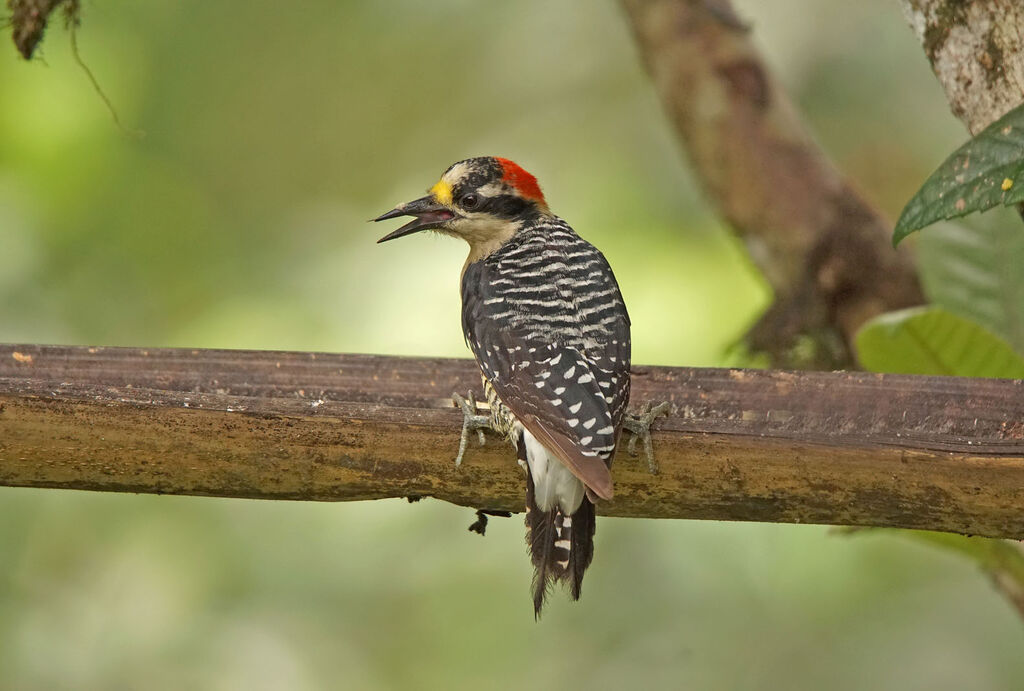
{"x":572,"y":401}
{"x":558,"y":399}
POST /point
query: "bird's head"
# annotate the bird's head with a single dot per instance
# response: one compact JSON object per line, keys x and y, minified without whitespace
{"x":482,"y":200}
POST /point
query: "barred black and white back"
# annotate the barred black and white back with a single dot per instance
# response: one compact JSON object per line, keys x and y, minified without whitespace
{"x":544,"y":317}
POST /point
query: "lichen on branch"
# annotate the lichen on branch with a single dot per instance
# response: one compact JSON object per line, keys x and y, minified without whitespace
{"x":976,"y":49}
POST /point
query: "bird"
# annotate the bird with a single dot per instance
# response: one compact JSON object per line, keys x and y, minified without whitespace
{"x":545,"y":320}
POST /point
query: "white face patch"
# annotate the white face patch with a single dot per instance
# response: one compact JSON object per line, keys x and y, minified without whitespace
{"x":484,"y":233}
{"x":456,"y":173}
{"x":491,"y":189}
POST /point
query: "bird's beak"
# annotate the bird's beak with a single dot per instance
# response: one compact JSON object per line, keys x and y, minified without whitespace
{"x":429,"y":214}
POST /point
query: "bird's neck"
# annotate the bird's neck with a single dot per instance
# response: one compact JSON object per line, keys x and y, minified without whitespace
{"x":485,"y":239}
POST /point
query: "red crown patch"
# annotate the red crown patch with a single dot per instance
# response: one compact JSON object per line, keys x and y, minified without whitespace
{"x":523,"y":182}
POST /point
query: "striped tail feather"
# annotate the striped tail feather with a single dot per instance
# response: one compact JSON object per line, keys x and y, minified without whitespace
{"x":584,"y":525}
{"x":561,"y":546}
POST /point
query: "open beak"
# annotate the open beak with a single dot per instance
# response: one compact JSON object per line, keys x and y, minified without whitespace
{"x":428,"y":212}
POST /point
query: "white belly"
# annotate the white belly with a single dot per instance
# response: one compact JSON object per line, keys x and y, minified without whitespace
{"x":553,"y":483}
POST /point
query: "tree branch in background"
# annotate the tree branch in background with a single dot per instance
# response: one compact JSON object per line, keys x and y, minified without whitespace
{"x":825,"y":251}
{"x":976,"y":50}
{"x":843,"y":448}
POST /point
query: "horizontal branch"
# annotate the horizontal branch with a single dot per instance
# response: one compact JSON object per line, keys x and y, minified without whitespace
{"x":845,"y":448}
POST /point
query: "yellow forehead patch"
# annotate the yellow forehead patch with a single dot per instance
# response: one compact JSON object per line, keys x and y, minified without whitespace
{"x":442,"y":192}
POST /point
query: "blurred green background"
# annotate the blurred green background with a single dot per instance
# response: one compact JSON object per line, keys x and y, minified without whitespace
{"x":273,"y":131}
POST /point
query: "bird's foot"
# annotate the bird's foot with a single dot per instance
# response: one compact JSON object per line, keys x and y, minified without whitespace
{"x":480,"y":525}
{"x":640,"y":427}
{"x":471,"y":421}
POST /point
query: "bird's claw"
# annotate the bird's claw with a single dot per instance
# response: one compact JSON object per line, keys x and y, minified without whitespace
{"x":640,"y":427}
{"x":470,"y":421}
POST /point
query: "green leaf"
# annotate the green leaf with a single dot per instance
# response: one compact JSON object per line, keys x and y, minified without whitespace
{"x":986,"y":171}
{"x":976,"y":270}
{"x":930,"y":340}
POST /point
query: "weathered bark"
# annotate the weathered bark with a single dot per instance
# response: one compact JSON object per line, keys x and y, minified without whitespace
{"x":976,"y":49}
{"x":934,"y":453}
{"x":825,"y":251}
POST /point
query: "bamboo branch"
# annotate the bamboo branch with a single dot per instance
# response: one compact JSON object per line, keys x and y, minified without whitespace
{"x":844,"y":448}
{"x":825,"y":251}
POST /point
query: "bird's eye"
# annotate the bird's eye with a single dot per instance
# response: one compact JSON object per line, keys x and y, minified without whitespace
{"x":469,"y":201}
